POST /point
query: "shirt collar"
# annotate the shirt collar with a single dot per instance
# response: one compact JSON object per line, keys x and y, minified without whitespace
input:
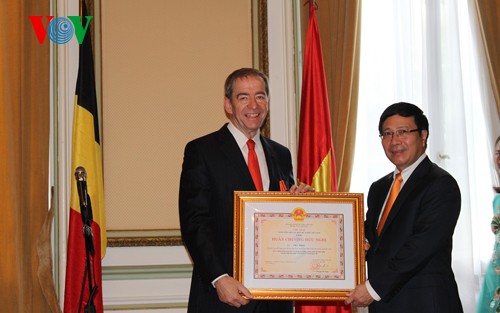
{"x":406,"y":173}
{"x":241,"y":138}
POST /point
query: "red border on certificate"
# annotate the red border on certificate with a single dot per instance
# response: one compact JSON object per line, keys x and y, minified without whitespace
{"x":311,"y":247}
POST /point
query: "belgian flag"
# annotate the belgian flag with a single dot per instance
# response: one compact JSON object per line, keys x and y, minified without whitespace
{"x":84,"y":287}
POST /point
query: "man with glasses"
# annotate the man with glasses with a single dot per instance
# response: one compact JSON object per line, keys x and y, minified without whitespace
{"x":411,"y":217}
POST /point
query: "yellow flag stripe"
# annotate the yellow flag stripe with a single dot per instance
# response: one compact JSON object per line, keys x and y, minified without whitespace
{"x":322,"y":179}
{"x":87,"y":153}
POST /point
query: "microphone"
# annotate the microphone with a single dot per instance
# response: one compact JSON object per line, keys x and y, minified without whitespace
{"x":85,"y":206}
{"x":81,"y":184}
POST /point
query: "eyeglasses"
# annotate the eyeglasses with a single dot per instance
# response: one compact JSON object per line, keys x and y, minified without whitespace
{"x":400,"y":133}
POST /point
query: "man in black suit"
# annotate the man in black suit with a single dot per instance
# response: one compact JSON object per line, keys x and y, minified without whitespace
{"x":214,"y":167}
{"x":409,"y":256}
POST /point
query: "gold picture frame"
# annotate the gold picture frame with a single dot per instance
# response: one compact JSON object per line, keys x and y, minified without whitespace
{"x":299,"y":247}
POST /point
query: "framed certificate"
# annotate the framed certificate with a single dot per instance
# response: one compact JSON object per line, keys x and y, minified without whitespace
{"x":299,"y":247}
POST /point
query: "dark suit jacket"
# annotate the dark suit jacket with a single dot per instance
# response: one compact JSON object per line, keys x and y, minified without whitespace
{"x":213,"y":169}
{"x":409,"y":265}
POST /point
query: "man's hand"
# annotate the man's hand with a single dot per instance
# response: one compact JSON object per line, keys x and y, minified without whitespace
{"x":367,"y":245}
{"x":359,"y":296}
{"x":232,"y":292}
{"x":301,"y":188}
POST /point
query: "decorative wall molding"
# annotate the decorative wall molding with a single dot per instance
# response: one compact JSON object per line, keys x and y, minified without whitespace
{"x":171,"y":271}
{"x":146,"y":238}
{"x":283,"y":105}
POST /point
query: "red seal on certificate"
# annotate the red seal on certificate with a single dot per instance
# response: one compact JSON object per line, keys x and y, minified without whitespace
{"x":299,"y":214}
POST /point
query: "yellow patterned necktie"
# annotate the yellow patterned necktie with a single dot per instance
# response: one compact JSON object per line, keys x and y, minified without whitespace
{"x":396,"y":187}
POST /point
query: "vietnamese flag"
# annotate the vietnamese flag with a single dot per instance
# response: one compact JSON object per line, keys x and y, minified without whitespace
{"x":316,"y":158}
{"x":86,"y":152}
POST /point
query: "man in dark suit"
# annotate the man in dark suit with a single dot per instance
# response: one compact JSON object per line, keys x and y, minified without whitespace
{"x":409,"y":255}
{"x":214,"y":167}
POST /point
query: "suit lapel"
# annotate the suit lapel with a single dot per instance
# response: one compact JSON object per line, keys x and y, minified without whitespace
{"x":412,"y":183}
{"x":381,"y":191}
{"x":272,"y":164}
{"x":233,"y":154}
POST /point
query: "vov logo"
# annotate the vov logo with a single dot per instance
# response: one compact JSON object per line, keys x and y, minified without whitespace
{"x":60,"y":29}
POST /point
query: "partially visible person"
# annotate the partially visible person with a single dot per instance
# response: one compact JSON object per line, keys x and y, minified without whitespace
{"x":489,"y":297}
{"x":214,"y":167}
{"x":409,"y":254}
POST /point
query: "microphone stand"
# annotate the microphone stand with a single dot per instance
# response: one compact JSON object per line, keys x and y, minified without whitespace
{"x":86,"y":213}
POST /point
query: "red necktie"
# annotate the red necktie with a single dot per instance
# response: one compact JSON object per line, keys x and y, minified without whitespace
{"x":390,"y":201}
{"x":253,"y":165}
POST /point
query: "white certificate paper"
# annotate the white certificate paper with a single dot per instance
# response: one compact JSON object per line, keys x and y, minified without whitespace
{"x":311,"y":248}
